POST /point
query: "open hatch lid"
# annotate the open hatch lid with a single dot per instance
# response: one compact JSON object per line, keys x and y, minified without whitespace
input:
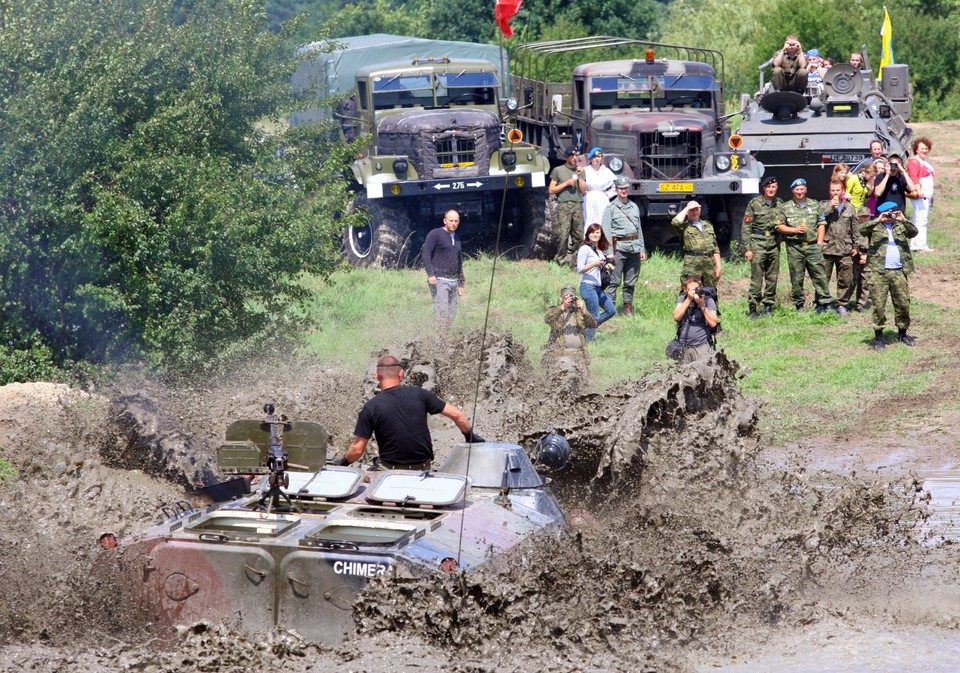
{"x":420,"y":489}
{"x":332,"y":483}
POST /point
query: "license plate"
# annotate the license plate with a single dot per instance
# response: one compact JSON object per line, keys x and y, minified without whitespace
{"x":675,"y":187}
{"x":462,"y":164}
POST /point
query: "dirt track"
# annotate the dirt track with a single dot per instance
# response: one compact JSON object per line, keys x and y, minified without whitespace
{"x":703,"y":542}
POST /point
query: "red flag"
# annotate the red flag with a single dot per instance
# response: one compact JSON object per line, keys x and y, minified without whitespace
{"x":506,"y":10}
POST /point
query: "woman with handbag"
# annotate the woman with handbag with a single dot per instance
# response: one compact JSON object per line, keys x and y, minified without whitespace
{"x":592,"y":263}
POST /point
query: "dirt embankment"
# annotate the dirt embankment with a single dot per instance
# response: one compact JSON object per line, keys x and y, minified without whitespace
{"x":690,"y":541}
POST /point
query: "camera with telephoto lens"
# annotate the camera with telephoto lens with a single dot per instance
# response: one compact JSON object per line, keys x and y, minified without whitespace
{"x":706,"y":292}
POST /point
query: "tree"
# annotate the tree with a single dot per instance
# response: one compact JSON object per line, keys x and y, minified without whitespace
{"x":145,"y":211}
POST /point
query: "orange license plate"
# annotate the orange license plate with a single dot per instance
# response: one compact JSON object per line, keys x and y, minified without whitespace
{"x":675,"y":187}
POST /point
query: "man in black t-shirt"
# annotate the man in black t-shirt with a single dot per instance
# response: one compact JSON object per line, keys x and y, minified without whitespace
{"x":397,"y":417}
{"x":894,"y":184}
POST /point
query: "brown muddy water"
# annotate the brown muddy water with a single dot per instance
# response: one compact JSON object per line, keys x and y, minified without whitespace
{"x":691,"y":551}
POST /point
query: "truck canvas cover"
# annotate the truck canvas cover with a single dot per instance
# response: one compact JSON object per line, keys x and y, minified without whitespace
{"x":332,"y":73}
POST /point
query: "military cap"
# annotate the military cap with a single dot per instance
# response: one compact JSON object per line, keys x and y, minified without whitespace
{"x":622,"y":181}
{"x":767,"y":180}
{"x":569,"y":151}
{"x":594,"y":152}
{"x":864,"y":212}
{"x":798,"y":182}
{"x":886,"y":207}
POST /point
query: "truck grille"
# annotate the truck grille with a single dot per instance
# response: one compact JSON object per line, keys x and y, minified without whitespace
{"x":670,"y":158}
{"x":456,"y":151}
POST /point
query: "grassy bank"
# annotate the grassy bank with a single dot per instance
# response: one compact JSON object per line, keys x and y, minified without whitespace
{"x":815,"y":374}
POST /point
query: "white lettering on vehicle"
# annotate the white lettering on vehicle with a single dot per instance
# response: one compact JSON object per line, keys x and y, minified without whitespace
{"x":359,"y":568}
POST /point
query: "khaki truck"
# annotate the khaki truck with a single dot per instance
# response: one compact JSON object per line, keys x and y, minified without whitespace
{"x":433,"y":123}
{"x":657,"y":111}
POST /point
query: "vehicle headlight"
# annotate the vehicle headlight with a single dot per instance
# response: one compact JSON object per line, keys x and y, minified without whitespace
{"x":400,"y":166}
{"x":723,"y":162}
{"x":616,"y":164}
{"x":508,"y":159}
{"x":512,"y":104}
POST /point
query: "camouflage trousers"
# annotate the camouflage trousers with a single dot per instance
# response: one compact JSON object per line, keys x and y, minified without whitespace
{"x":861,"y":283}
{"x":807,"y":259}
{"x":569,"y":230}
{"x":699,"y":266}
{"x":894,"y":283}
{"x":843,"y":266}
{"x":764,"y":269}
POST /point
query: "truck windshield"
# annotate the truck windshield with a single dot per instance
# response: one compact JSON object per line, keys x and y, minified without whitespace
{"x":466,"y":88}
{"x":694,"y":91}
{"x":402,"y":91}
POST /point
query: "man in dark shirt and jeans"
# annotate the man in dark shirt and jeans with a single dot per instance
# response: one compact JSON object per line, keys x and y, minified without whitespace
{"x":696,"y":316}
{"x":397,"y":417}
{"x":443,"y":261}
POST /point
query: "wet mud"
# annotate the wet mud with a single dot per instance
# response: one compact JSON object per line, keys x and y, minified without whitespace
{"x":687,"y":544}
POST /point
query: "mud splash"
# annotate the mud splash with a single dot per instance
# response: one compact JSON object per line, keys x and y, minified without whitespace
{"x":691,"y":541}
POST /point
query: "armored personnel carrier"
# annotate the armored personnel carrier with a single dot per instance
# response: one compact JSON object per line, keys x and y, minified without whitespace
{"x":805,"y":135}
{"x":657,"y":110}
{"x":437,"y":130}
{"x":296,"y":551}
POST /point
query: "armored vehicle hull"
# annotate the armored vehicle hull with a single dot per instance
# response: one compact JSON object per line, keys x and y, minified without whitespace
{"x":805,"y":135}
{"x":297,"y":558}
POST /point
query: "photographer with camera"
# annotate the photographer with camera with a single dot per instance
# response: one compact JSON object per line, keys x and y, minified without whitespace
{"x":566,"y":349}
{"x":890,"y":262}
{"x":696,"y":317}
{"x":894,"y":184}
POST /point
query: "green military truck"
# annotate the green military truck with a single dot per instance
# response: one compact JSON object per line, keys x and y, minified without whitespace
{"x":657,"y":111}
{"x":436,"y":123}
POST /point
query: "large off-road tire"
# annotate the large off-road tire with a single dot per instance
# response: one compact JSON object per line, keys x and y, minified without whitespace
{"x":533,"y":231}
{"x":384,"y":241}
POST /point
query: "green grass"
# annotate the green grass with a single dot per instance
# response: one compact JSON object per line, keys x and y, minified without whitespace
{"x":812,"y":372}
{"x":7,"y":471}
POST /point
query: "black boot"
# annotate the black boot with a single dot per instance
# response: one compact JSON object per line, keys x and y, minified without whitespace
{"x":905,"y":339}
{"x":753,"y":314}
{"x":878,"y":340}
{"x":768,"y":310}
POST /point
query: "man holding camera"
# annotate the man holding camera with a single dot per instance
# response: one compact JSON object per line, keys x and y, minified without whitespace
{"x":696,"y":317}
{"x":566,"y":349}
{"x":891,"y":262}
{"x":790,"y":67}
{"x":894,"y":184}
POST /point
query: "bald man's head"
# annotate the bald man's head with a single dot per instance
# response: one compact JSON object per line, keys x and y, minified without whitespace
{"x":389,"y":368}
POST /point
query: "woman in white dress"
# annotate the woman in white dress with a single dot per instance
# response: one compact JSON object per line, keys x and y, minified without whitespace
{"x":598,"y":180}
{"x":921,"y":172}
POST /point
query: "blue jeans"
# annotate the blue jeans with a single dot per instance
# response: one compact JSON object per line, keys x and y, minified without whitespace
{"x":595,"y":299}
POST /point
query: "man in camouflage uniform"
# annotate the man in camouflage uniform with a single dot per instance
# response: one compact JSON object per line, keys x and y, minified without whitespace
{"x":621,"y":225}
{"x":840,"y":243}
{"x":802,"y":224}
{"x":565,"y":185}
{"x":763,"y":248}
{"x":565,"y":352}
{"x":790,"y":67}
{"x":891,"y":262}
{"x":701,"y":255}
{"x":861,"y":272}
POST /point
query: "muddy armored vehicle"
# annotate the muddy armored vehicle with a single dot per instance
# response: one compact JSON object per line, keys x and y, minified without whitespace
{"x":295,"y":552}
{"x":657,"y":111}
{"x":805,"y":135}
{"x":435,"y":122}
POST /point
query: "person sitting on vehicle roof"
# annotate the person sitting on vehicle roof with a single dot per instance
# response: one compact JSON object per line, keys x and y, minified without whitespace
{"x":790,"y":67}
{"x":398,"y":419}
{"x":815,"y":69}
{"x":856,"y":60}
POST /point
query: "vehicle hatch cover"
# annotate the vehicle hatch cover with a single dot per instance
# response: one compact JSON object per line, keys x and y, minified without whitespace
{"x":330,"y":482}
{"x":418,"y":488}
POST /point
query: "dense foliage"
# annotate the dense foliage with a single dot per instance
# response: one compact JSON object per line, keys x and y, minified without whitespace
{"x":145,"y":211}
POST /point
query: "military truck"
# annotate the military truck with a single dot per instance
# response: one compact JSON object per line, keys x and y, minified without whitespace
{"x":657,"y":111}
{"x":435,"y":120}
{"x":834,"y":121}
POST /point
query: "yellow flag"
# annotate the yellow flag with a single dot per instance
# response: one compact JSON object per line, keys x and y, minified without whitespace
{"x":886,"y":42}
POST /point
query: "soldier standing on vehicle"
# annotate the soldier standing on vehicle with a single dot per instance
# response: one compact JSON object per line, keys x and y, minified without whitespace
{"x":443,"y":261}
{"x":790,"y":67}
{"x":891,"y":262}
{"x":840,"y":243}
{"x":397,"y":417}
{"x":803,"y":225}
{"x":621,"y":224}
{"x":566,"y":186}
{"x":763,"y":247}
{"x":701,"y":254}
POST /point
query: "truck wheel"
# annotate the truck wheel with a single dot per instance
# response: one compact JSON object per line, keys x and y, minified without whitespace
{"x":736,"y":209}
{"x":383,"y":240}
